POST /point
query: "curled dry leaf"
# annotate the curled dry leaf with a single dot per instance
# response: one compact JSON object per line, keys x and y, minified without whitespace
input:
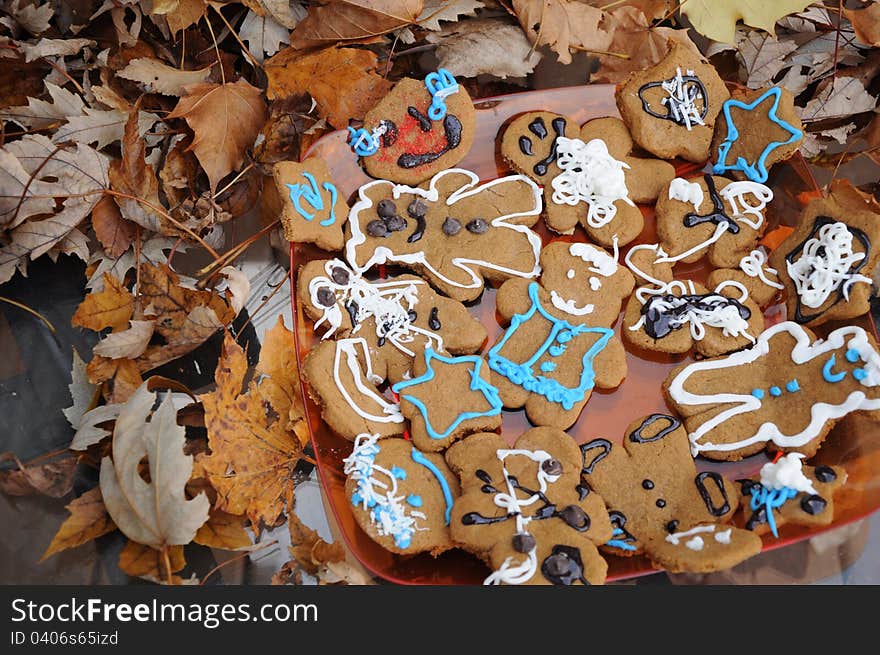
{"x":485,"y":46}
{"x":225,"y":120}
{"x":251,"y":435}
{"x":717,"y":19}
{"x":48,"y":478}
{"x":88,"y":520}
{"x":114,"y":232}
{"x":53,"y":48}
{"x":158,"y":77}
{"x":155,"y":513}
{"x":82,"y":392}
{"x":308,"y":550}
{"x":126,"y":344}
{"x":436,"y":11}
{"x":238,"y":287}
{"x":89,"y":432}
{"x":563,"y":25}
{"x":332,"y":21}
{"x":866,"y":23}
{"x":342,"y":81}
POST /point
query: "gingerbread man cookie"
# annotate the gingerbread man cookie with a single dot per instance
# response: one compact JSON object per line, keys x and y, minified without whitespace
{"x":419,"y":129}
{"x":827,"y":262}
{"x":660,"y":504}
{"x":560,"y":344}
{"x":312,"y":210}
{"x":786,"y":491}
{"x":398,"y":318}
{"x":785,"y":392}
{"x":401,"y":497}
{"x":671,"y":108}
{"x":452,"y":230}
{"x":524,"y":510}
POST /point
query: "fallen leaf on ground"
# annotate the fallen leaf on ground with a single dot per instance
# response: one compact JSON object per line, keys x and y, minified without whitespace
{"x":563,"y":25}
{"x":251,"y":435}
{"x":82,"y":392}
{"x":342,"y":81}
{"x":485,"y":46}
{"x":52,"y":478}
{"x":114,"y":232}
{"x":866,"y":23}
{"x":155,"y":513}
{"x":224,"y":531}
{"x":110,"y":308}
{"x":53,"y":48}
{"x":88,"y":520}
{"x":180,"y":14}
{"x":159,"y":77}
{"x":436,"y":11}
{"x":126,"y":344}
{"x":143,"y":561}
{"x":332,"y":21}
{"x":225,"y":120}
{"x":263,"y":34}
{"x":308,"y":550}
{"x":762,"y":56}
{"x":837,"y":98}
{"x":717,"y":19}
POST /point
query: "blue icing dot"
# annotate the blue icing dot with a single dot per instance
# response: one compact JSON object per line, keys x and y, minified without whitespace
{"x":852,"y":355}
{"x":356,"y":498}
{"x":556,"y":351}
{"x":860,"y":374}
{"x":547,"y":367}
{"x":564,"y":336}
{"x":372,"y":503}
{"x":402,"y":541}
{"x":398,"y":473}
{"x":792,"y":385}
{"x":775,"y":391}
{"x":414,"y":500}
{"x":758,"y":393}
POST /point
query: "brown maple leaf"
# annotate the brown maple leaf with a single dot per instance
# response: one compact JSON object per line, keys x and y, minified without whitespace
{"x":114,"y":232}
{"x":563,"y":25}
{"x":254,"y":447}
{"x":52,"y":478}
{"x":88,"y":520}
{"x":342,"y":81}
{"x":145,"y":562}
{"x":332,"y":21}
{"x":223,"y":531}
{"x":180,"y":14}
{"x":225,"y":120}
{"x":111,"y":307}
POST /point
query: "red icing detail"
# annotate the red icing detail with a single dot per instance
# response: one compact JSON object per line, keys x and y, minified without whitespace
{"x":778,"y":456}
{"x":410,"y":137}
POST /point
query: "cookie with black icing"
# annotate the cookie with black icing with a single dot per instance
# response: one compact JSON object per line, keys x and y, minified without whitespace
{"x":524,"y":510}
{"x":671,"y":108}
{"x":660,"y":504}
{"x":560,"y":344}
{"x":756,"y":129}
{"x":827,"y":263}
{"x":453,"y":230}
{"x":419,"y":129}
{"x":312,"y":210}
{"x":787,"y":491}
{"x":401,"y":497}
{"x":398,"y":317}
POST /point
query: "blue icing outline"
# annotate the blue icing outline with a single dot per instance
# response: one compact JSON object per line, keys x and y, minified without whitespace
{"x":522,"y":374}
{"x":312,"y":196}
{"x":756,"y":172}
{"x":489,"y":392}
{"x":618,"y":543}
{"x":435,"y":82}
{"x":827,"y":372}
{"x":772,"y":499}
{"x":419,"y":458}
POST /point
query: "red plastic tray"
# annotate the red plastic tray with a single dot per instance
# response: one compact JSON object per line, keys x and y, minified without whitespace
{"x":854,"y":442}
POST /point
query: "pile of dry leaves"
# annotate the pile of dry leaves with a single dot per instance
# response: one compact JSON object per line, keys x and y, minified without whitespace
{"x":133,"y":130}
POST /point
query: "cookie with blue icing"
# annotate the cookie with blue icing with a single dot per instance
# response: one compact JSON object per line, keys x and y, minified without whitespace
{"x":560,"y":344}
{"x":401,"y":497}
{"x":312,"y":209}
{"x":524,"y":510}
{"x":659,"y":504}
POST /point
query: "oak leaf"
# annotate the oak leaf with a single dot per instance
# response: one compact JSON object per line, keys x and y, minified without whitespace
{"x":158,"y":77}
{"x":225,"y":120}
{"x":224,"y":531}
{"x":88,"y":520}
{"x":332,"y":21}
{"x":563,"y":25}
{"x":155,"y":513}
{"x":717,"y":19}
{"x":111,"y":307}
{"x":866,"y":23}
{"x":342,"y":81}
{"x":251,"y":435}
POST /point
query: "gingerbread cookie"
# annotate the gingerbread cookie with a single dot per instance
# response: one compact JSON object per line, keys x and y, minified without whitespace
{"x":419,"y":129}
{"x":312,"y":210}
{"x":789,"y":492}
{"x":757,"y":128}
{"x":453,"y":230}
{"x":398,"y":318}
{"x":760,"y":280}
{"x":785,"y":392}
{"x":673,"y":316}
{"x":826,"y":264}
{"x":401,"y":497}
{"x":659,"y":502}
{"x":524,"y":510}
{"x":448,"y":398}
{"x":711,"y":216}
{"x":529,"y":143}
{"x":560,"y":344}
{"x":671,"y":108}
{"x":341,"y":380}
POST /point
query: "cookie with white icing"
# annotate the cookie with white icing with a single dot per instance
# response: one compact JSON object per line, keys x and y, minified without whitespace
{"x":754,"y":273}
{"x":827,"y":263}
{"x":711,"y":216}
{"x":560,"y":344}
{"x":453,"y":230}
{"x":312,"y":210}
{"x":784,"y":393}
{"x":397,"y":317}
{"x":787,"y":491}
{"x":671,"y":108}
{"x":524,"y":510}
{"x":657,"y":499}
{"x":401,"y":497}
{"x":340,"y":379}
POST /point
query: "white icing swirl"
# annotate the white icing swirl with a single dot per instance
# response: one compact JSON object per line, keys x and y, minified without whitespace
{"x":787,"y":472}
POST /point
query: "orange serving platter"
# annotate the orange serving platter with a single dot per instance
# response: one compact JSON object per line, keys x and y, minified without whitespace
{"x":854,"y":442}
